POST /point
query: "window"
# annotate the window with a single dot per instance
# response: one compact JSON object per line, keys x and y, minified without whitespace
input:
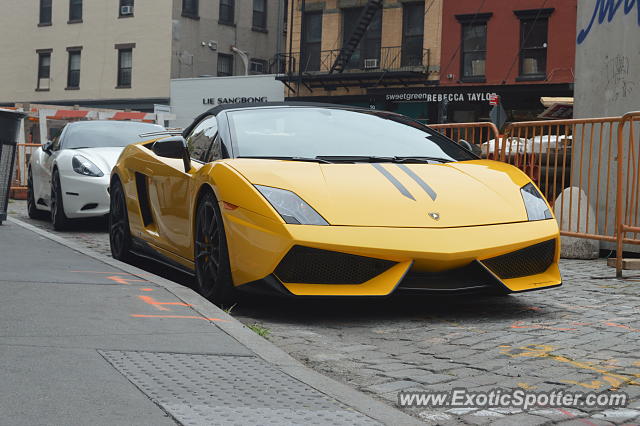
{"x":227,"y":11}
{"x":260,"y":14}
{"x":473,"y":48}
{"x":311,"y":39}
{"x":412,"y":34}
{"x":44,"y":69}
{"x":75,"y":11}
{"x":190,"y":8}
{"x":45,"y":12}
{"x":126,"y":8}
{"x":367,"y":54}
{"x":73,"y":74}
{"x":204,"y":143}
{"x":258,"y":66}
{"x":225,"y":65}
{"x":125,"y":66}
{"x":534,"y":26}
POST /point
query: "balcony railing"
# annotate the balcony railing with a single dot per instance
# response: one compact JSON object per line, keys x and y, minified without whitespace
{"x":390,"y":59}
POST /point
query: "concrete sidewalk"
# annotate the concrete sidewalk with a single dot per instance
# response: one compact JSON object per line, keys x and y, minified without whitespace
{"x":85,"y":339}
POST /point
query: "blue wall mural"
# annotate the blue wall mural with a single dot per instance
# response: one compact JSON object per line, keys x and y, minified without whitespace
{"x":608,"y":10}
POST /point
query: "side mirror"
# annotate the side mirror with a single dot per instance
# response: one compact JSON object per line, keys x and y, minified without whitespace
{"x":46,"y":147}
{"x":466,"y":145}
{"x":174,"y":147}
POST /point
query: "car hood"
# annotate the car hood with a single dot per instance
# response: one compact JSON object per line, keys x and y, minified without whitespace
{"x":470,"y":193}
{"x":105,"y":158}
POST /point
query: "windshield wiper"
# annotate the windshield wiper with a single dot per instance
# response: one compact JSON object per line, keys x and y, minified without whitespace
{"x":356,"y":159}
{"x":374,"y":159}
{"x":307,"y":159}
{"x":420,"y":159}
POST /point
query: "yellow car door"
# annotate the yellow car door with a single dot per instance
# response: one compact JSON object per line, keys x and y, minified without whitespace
{"x":170,"y":189}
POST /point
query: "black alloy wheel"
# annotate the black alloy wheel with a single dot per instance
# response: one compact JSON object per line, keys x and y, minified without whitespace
{"x":119,"y":231}
{"x":58,"y":218}
{"x":211,"y":256}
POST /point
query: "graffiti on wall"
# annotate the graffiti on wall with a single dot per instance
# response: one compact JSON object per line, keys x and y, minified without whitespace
{"x":607,"y":10}
{"x":618,"y":83}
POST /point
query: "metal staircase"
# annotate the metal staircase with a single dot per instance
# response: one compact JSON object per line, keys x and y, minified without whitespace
{"x":370,"y":9}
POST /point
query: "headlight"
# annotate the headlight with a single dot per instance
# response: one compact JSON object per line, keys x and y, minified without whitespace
{"x":534,"y":202}
{"x":293,"y":209}
{"x":85,"y":167}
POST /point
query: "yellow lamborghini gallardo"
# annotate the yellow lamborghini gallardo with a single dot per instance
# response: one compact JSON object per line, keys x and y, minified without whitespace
{"x":322,"y":200}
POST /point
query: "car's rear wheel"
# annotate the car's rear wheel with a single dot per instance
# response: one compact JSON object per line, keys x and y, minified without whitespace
{"x":213,"y":273}
{"x":58,"y":217}
{"x":119,"y":231}
{"x":32,"y":210}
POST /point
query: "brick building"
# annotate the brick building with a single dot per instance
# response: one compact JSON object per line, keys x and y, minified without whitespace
{"x":435,"y":60}
{"x":520,"y":49}
{"x":400,"y":47}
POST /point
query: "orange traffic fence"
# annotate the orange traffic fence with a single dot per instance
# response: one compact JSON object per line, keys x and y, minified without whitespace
{"x":23,"y":155}
{"x":588,"y":169}
{"x":627,"y":185}
{"x":474,"y":133}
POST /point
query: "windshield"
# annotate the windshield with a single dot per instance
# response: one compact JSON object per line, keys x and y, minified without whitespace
{"x":328,"y":132}
{"x":97,"y":134}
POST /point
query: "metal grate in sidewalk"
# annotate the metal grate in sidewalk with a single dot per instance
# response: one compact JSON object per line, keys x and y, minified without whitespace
{"x":228,"y":390}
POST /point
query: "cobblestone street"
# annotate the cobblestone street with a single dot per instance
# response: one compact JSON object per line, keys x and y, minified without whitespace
{"x":581,"y":337}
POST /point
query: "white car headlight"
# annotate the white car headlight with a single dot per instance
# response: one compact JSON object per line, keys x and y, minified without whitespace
{"x":85,"y":167}
{"x":293,"y":209}
{"x":537,"y":208}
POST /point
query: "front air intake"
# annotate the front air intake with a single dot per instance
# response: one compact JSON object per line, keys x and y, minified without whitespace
{"x":306,"y":265}
{"x":530,"y":260}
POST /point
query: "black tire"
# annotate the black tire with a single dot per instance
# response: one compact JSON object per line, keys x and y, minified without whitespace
{"x":211,"y":254}
{"x":32,"y":210}
{"x":119,"y":231}
{"x":58,"y":218}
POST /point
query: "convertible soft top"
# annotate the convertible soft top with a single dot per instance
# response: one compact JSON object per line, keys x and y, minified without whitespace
{"x":225,"y":107}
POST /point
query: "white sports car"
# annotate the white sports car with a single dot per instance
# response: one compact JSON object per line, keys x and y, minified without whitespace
{"x":69,"y":177}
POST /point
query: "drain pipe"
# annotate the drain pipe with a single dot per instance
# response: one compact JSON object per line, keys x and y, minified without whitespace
{"x":245,"y":58}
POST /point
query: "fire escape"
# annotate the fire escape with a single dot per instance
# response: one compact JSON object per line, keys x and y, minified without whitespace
{"x":343,"y":58}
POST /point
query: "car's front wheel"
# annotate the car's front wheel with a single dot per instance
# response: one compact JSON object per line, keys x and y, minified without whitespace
{"x":32,"y":210}
{"x":119,"y":231}
{"x":213,"y":273}
{"x":58,"y":217}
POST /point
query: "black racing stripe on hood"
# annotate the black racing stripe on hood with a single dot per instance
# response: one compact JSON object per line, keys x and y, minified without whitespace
{"x":419,"y":181}
{"x":404,"y":191}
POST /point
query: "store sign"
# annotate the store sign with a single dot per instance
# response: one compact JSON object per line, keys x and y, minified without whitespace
{"x":191,"y":97}
{"x":235,"y":100}
{"x":439,"y":97}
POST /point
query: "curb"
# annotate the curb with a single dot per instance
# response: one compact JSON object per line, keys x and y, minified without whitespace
{"x":258,"y":345}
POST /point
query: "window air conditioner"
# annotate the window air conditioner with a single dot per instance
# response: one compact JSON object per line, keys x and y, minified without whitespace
{"x":126,"y":10}
{"x":371,"y":63}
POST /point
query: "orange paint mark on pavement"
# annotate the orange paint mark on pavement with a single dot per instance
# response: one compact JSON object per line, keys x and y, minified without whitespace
{"x":146,"y":289}
{"x":569,"y":414}
{"x":112,"y":272}
{"x":178,"y":316}
{"x":125,"y":281}
{"x":626,"y":327}
{"x":160,"y":305}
